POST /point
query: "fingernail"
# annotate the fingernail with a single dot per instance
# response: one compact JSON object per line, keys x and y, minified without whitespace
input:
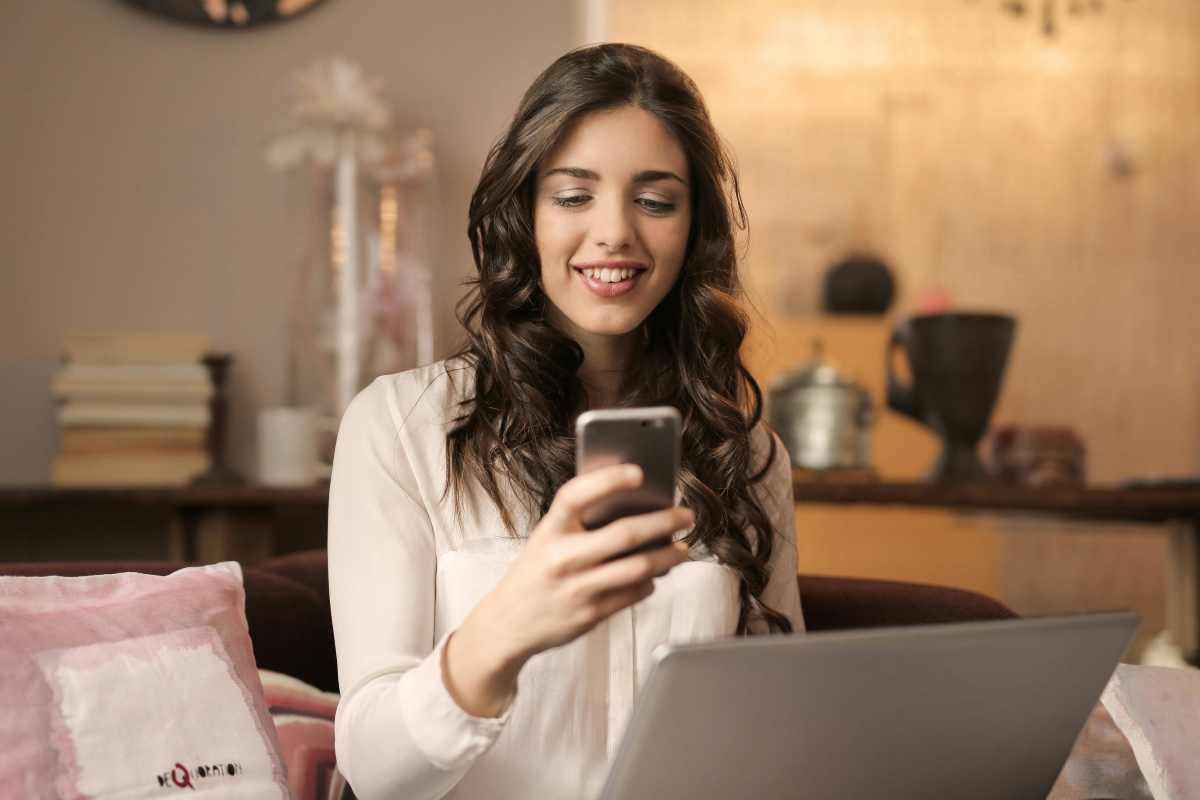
{"x":633,"y":472}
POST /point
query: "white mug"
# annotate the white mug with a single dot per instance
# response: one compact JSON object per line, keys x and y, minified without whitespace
{"x":287,"y":446}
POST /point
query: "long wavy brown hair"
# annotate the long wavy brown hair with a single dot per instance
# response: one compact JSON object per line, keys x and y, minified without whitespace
{"x":519,"y":424}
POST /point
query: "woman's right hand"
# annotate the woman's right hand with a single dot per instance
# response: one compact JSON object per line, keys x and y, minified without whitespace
{"x":560,"y":586}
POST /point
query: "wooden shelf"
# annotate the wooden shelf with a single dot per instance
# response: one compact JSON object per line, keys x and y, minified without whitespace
{"x":1090,"y":502}
{"x":1112,"y":503}
{"x":196,"y":497}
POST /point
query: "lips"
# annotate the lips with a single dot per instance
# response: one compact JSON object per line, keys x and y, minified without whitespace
{"x":602,"y":288}
{"x":605,"y":289}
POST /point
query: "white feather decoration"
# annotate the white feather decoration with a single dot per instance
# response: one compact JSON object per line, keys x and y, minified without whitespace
{"x":332,"y":98}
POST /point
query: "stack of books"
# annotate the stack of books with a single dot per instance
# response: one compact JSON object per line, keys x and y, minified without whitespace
{"x":135,"y":410}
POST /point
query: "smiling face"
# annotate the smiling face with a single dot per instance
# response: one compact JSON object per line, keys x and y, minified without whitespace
{"x":613,"y":195}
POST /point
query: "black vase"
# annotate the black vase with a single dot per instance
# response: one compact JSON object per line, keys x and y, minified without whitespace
{"x":957,"y":362}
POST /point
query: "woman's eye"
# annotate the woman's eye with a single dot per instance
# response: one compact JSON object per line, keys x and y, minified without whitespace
{"x":576,"y":200}
{"x":570,"y":202}
{"x":657,"y":206}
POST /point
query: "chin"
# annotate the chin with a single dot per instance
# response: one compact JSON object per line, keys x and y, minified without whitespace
{"x":612,"y":327}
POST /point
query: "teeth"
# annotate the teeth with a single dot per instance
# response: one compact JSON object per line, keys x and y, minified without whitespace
{"x":607,"y":275}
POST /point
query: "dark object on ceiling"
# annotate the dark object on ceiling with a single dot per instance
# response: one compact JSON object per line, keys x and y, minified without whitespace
{"x":229,"y":14}
{"x":859,"y":285}
{"x":1051,"y":12}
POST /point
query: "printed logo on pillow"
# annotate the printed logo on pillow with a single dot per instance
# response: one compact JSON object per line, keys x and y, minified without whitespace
{"x":181,"y":777}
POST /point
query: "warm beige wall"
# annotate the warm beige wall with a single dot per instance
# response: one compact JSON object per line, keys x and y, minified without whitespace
{"x":135,"y":194}
{"x":973,"y":153}
{"x":969,"y":151}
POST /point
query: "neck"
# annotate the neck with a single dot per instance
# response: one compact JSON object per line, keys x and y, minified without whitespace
{"x":606,"y":360}
{"x":603,"y":389}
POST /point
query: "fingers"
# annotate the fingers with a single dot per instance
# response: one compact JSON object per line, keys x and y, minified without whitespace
{"x":627,"y":572}
{"x":581,"y":491}
{"x":613,"y":601}
{"x":627,"y":533}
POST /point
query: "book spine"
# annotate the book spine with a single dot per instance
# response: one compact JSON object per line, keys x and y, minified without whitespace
{"x":127,"y":470}
{"x":92,"y":440}
{"x":165,"y":373}
{"x":120,"y":395}
{"x":137,"y":415}
{"x":123,"y":348}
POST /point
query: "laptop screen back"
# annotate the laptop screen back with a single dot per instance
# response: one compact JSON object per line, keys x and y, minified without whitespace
{"x":980,"y":710}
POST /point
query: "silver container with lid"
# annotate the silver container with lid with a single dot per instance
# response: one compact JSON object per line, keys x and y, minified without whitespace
{"x":823,"y":416}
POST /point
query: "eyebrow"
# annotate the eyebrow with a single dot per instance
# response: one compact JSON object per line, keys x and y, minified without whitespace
{"x":645,"y":176}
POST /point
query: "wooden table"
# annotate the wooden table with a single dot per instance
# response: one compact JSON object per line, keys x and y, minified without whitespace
{"x":210,"y":523}
{"x":1176,"y":509}
{"x":218,"y":522}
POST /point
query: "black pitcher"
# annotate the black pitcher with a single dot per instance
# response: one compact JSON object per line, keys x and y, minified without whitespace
{"x":957,"y":362}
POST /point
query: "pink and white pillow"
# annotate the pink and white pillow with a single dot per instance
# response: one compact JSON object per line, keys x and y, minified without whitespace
{"x":133,"y":685}
{"x":1158,"y":710}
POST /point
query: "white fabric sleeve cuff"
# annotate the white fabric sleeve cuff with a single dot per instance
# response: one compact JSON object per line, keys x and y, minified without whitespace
{"x":446,"y":734}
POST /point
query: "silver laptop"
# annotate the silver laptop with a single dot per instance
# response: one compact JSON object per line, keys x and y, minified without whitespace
{"x":964,"y":710}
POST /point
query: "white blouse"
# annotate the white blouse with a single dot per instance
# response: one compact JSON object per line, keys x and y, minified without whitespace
{"x":403,"y":574}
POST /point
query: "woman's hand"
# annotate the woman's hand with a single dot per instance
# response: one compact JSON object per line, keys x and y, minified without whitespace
{"x":560,"y":587}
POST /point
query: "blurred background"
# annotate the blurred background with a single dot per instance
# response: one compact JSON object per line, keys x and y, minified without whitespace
{"x":1036,"y":158}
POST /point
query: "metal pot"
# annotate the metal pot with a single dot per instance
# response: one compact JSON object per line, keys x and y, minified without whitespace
{"x":823,"y":416}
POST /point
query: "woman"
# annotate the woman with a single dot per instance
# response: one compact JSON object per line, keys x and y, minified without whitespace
{"x":486,"y":648}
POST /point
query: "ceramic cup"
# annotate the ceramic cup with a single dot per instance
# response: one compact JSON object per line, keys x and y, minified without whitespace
{"x":287,"y":446}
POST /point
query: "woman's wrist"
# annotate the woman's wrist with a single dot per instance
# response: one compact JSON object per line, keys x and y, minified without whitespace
{"x":479,"y":675}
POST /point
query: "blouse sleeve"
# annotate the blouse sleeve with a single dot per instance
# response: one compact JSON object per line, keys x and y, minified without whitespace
{"x":398,"y":732}
{"x":782,"y":592}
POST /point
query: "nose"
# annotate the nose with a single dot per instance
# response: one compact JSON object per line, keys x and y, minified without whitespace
{"x":612,"y":227}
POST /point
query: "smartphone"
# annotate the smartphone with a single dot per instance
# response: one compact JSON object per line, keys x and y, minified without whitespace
{"x":647,"y":436}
